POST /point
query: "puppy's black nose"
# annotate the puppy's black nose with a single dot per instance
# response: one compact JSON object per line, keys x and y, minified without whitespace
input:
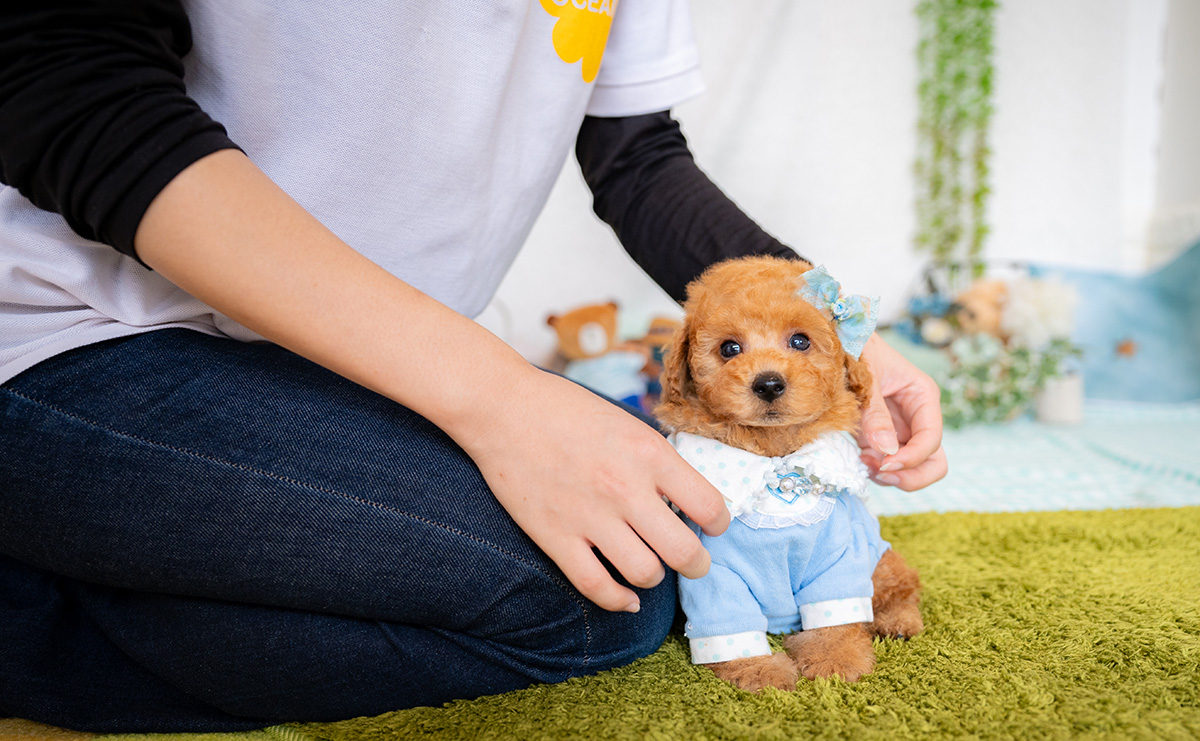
{"x":768,"y":386}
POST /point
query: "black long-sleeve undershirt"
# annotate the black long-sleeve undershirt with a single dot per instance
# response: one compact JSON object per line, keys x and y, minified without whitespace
{"x":666,"y":212}
{"x":95,"y":120}
{"x":94,"y":116}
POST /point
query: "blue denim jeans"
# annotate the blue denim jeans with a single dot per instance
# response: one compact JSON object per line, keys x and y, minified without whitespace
{"x":198,"y":534}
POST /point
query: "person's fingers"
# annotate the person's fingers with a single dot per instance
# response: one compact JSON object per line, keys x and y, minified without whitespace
{"x":694,"y":495}
{"x":871,"y":459}
{"x":899,"y":420}
{"x":588,"y":575}
{"x":673,"y":541}
{"x":913,"y":414}
{"x":878,"y":432}
{"x":932,"y":469}
{"x":921,"y":408}
{"x":631,"y":557}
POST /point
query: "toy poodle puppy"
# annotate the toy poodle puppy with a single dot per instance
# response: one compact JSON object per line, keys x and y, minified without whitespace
{"x":763,"y":389}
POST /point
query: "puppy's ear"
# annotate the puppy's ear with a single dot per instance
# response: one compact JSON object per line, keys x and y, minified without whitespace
{"x":677,"y":385}
{"x":858,"y":380}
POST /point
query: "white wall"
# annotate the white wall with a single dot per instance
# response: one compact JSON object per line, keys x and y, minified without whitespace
{"x":1176,"y":220}
{"x":809,"y":124}
{"x":1075,"y":130}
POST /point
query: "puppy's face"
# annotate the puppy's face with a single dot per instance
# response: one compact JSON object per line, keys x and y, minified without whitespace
{"x":761,"y":356}
{"x":753,"y":354}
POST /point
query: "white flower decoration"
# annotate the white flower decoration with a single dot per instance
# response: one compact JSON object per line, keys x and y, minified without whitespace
{"x":1038,"y":311}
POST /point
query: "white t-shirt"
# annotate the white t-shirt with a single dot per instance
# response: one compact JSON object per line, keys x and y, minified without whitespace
{"x":427,"y":135}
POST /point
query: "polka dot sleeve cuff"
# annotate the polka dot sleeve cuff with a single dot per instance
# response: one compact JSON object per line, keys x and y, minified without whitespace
{"x":724,"y":648}
{"x":836,"y":612}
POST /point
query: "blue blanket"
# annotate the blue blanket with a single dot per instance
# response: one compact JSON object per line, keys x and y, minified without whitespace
{"x":1124,"y":454}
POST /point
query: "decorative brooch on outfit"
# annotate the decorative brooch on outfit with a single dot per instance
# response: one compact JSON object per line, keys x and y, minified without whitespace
{"x":791,"y":487}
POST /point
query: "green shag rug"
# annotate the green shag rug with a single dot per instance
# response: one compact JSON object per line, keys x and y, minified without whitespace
{"x":1038,"y":626}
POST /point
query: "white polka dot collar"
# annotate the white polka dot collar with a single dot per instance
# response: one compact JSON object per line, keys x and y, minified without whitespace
{"x":776,"y":492}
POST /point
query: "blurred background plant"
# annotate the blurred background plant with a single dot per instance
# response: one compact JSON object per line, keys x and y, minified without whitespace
{"x":989,"y":382}
{"x":1002,"y":339}
{"x":954,"y":91}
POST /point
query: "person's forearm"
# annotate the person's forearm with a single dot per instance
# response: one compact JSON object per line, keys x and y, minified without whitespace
{"x":228,"y":235}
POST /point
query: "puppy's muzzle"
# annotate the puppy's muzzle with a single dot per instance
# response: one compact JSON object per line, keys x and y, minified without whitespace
{"x":768,"y":386}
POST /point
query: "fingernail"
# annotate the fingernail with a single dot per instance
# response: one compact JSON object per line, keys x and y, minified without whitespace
{"x":886,"y":442}
{"x":891,"y":466}
{"x":634,"y":606}
{"x":888,"y":479}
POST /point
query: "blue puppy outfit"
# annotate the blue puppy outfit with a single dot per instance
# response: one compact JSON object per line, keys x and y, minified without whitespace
{"x":799,"y":553}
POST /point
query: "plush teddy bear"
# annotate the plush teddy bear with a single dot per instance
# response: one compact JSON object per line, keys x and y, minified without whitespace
{"x":587,"y":342}
{"x":980,"y":308}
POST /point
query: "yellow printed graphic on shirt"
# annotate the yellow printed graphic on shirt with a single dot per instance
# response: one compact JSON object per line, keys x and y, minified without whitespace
{"x":581,"y":31}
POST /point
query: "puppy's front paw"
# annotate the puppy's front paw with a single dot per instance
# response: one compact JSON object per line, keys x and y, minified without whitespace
{"x":757,"y":672}
{"x":897,"y":598}
{"x":899,"y":621}
{"x":841,"y":650}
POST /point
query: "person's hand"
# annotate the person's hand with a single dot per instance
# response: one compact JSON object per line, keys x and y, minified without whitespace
{"x":577,"y":473}
{"x":901,"y":433}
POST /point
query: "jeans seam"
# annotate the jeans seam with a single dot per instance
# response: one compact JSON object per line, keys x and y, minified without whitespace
{"x":350,"y":497}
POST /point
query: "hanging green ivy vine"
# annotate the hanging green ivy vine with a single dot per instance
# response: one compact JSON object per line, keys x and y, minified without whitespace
{"x":954,"y":58}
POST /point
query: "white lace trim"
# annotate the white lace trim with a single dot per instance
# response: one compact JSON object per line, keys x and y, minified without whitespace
{"x":818,"y":513}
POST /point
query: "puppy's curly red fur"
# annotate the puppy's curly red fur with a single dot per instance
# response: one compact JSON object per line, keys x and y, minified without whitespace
{"x":708,"y":390}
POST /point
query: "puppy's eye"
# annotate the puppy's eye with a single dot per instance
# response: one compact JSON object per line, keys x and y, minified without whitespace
{"x":799,"y":342}
{"x":729,"y":348}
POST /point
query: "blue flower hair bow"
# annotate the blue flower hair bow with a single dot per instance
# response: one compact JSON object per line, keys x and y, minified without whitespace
{"x":854,"y":317}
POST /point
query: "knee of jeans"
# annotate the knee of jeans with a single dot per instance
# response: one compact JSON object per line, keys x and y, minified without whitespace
{"x":620,"y":638}
{"x":581,"y":638}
